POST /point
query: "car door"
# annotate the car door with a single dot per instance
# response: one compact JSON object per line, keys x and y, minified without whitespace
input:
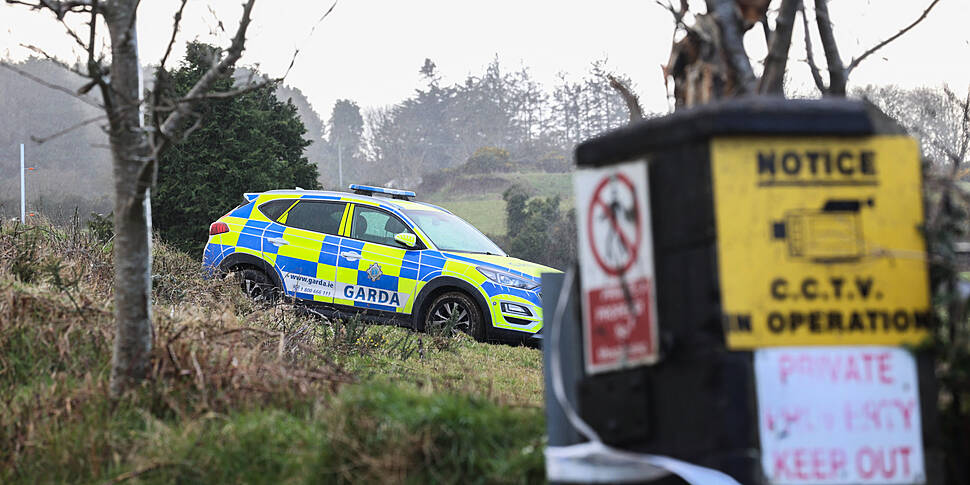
{"x":306,"y":250}
{"x":375,"y":271}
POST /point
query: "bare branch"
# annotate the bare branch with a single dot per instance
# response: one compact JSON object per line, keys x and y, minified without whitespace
{"x":726,"y":16}
{"x":195,"y":125}
{"x":175,"y":31}
{"x":174,"y":105}
{"x":93,"y":66}
{"x":175,"y":120}
{"x":45,"y":139}
{"x":678,"y":14}
{"x":60,"y":8}
{"x":57,"y":62}
{"x":955,"y":173}
{"x":773,"y":77}
{"x":631,"y":99}
{"x":837,"y":73}
{"x":956,"y":157}
{"x":965,"y":141}
{"x":855,"y":62}
{"x":809,"y":54}
{"x":312,"y":30}
{"x":44,"y":83}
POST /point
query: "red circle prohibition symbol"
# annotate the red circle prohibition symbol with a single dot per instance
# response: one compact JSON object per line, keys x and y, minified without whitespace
{"x":631,"y":248}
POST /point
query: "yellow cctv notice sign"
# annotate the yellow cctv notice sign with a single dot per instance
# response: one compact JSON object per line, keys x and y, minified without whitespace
{"x":819,"y":241}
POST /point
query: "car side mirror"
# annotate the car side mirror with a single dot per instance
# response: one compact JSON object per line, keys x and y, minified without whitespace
{"x":406,"y":239}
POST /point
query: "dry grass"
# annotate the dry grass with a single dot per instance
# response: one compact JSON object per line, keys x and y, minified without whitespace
{"x":237,"y":389}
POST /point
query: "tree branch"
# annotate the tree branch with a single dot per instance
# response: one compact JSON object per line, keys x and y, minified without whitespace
{"x":773,"y":76}
{"x":60,"y":8}
{"x":175,"y":31}
{"x":809,"y":54}
{"x":965,"y":105}
{"x":726,"y":16}
{"x":855,"y":62}
{"x":631,"y":99}
{"x":174,"y":105}
{"x":57,"y":62}
{"x":44,"y":83}
{"x":45,"y":139}
{"x":837,"y":73}
{"x":678,"y":14}
{"x":312,"y":30}
{"x":174,"y":121}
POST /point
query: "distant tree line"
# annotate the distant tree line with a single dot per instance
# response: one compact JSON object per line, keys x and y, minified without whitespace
{"x":440,"y":126}
{"x":443,"y":126}
{"x":63,"y":140}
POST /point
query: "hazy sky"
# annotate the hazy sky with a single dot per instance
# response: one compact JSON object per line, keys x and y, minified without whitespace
{"x":370,"y":50}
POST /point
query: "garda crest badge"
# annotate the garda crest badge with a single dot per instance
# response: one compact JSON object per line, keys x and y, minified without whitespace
{"x":374,"y":272}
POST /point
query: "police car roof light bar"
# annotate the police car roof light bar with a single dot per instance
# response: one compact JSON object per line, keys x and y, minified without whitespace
{"x":394,"y":193}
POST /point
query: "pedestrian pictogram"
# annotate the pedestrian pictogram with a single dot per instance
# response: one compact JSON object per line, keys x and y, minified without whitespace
{"x":613,"y":225}
{"x":616,"y":267}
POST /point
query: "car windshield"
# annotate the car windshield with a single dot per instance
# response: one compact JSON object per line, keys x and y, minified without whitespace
{"x":450,"y":233}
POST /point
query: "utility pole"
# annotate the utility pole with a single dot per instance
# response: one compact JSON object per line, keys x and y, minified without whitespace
{"x":340,"y":165}
{"x":23,"y":188}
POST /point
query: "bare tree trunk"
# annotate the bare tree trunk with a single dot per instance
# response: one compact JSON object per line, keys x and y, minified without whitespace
{"x":135,"y":152}
{"x":728,"y":20}
{"x":837,"y":77}
{"x":132,"y":246}
{"x":773,"y":77}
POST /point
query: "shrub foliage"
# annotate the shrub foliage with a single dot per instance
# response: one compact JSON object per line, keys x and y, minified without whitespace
{"x":247,"y":143}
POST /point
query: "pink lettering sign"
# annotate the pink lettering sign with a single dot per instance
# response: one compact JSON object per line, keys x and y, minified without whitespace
{"x":839,"y":415}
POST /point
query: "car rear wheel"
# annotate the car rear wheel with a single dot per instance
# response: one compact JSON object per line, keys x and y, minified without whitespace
{"x":257,"y":286}
{"x":455,"y":311}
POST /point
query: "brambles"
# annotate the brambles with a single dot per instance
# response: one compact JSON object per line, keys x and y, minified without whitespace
{"x":238,"y":390}
{"x":101,"y":227}
{"x":24,"y":262}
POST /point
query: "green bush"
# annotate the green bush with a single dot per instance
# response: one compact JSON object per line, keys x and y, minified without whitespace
{"x":538,"y":230}
{"x":488,"y":160}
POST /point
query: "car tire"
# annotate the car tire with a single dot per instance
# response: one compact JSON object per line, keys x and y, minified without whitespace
{"x":468,"y":315}
{"x":257,"y":286}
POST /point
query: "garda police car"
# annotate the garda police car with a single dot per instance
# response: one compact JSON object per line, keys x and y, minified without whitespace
{"x":379,"y":253}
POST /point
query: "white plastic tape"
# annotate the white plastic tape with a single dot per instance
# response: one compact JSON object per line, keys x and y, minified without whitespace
{"x":595,"y":462}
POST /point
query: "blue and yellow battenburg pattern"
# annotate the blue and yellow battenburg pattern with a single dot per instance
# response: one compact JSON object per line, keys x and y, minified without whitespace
{"x":336,"y":269}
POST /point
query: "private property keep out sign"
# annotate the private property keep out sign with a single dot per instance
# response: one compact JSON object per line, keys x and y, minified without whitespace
{"x":616,"y":267}
{"x":839,"y":415}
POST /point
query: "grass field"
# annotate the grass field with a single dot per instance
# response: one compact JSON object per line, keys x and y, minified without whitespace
{"x":239,"y":392}
{"x":478,"y":198}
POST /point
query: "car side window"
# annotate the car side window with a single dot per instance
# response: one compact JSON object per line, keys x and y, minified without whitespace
{"x":377,"y":226}
{"x":275,"y":208}
{"x":315,"y":216}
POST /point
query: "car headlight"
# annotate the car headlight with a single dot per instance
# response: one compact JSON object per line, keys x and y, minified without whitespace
{"x":507,"y":279}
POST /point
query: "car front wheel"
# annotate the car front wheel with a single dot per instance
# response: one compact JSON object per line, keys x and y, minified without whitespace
{"x":455,"y":311}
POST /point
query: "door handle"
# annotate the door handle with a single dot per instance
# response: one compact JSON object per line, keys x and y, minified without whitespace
{"x":277,"y":241}
{"x":350,"y":255}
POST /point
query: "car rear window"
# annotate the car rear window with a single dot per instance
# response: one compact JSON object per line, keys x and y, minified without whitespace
{"x":275,"y":208}
{"x":315,"y":216}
